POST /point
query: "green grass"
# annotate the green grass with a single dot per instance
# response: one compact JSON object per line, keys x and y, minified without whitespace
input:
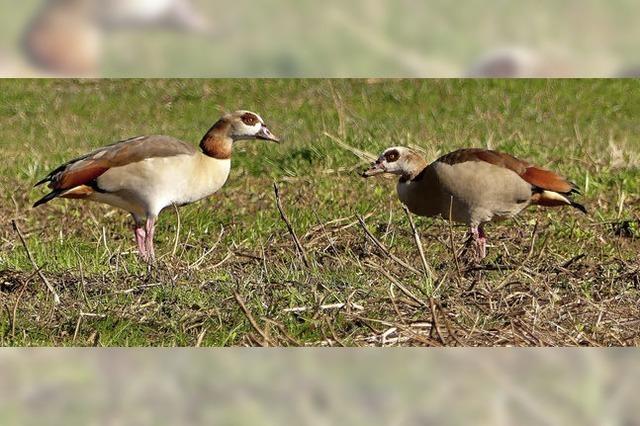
{"x":585,"y":129}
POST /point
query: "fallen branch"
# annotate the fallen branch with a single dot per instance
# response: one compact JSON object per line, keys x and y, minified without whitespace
{"x":399,"y":327}
{"x":56,"y":298}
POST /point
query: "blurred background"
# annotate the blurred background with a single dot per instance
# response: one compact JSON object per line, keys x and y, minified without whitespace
{"x":390,"y":387}
{"x":304,"y":38}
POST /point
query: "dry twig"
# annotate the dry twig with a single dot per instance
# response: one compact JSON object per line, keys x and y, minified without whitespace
{"x":364,"y":155}
{"x":266,"y":341}
{"x":382,"y":248}
{"x":15,"y":306}
{"x":80,"y":317}
{"x":355,"y":306}
{"x":56,"y":298}
{"x":453,"y":248}
{"x":178,"y":226}
{"x":430,"y":306}
{"x":428,"y":272}
{"x":284,"y":217}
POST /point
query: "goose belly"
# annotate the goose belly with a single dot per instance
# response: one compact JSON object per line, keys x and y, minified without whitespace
{"x":481,"y":192}
{"x":156,"y":183}
{"x":421,"y":199}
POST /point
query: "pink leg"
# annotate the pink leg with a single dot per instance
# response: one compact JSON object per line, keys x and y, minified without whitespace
{"x":141,"y":234}
{"x":480,"y":240}
{"x":150,"y":227}
{"x":482,"y":243}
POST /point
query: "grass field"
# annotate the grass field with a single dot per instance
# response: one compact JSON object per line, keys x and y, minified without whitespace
{"x":228,"y":271}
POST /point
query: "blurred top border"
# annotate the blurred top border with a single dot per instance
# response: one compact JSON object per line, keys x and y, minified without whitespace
{"x":302,"y":38}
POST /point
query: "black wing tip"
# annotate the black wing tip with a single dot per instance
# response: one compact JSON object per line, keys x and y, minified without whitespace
{"x":580,"y":207}
{"x":41,"y":182}
{"x":50,"y":196}
{"x":574,"y":189}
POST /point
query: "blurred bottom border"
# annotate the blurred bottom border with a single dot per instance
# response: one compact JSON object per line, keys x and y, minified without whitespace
{"x":318,"y":386}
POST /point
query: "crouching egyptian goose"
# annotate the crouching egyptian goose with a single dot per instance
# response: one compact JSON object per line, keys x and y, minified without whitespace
{"x":472,"y":186}
{"x":145,"y":174}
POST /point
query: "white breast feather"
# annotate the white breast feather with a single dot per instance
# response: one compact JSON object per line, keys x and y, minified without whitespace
{"x":156,"y":183}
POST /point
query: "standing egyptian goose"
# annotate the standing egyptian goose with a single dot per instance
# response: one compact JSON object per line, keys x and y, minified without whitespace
{"x":473,"y":186}
{"x":145,"y":174}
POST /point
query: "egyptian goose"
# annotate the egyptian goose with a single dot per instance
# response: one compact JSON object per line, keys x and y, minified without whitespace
{"x":145,"y":174}
{"x":473,"y":186}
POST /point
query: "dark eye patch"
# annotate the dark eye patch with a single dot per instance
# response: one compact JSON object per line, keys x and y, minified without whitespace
{"x":249,"y":119}
{"x":391,"y":156}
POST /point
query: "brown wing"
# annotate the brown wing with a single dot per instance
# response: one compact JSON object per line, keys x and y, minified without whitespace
{"x":537,"y":177}
{"x":548,"y":180}
{"x":86,"y":169}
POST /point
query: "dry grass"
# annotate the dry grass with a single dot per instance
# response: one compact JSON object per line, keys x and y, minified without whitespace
{"x":529,"y":296}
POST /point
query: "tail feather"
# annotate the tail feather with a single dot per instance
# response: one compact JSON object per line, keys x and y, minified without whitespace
{"x":547,"y":180}
{"x":553,"y":199}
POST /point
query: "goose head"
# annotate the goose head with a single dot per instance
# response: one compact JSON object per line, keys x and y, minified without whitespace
{"x":247,"y":125}
{"x":396,"y":160}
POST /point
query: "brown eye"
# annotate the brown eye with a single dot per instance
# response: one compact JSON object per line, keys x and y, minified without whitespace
{"x":249,"y":119}
{"x":392,"y":156}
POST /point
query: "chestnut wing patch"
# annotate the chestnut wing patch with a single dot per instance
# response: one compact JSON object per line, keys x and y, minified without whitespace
{"x":85,"y":169}
{"x":493,"y":157}
{"x":537,"y":177}
{"x":547,"y":180}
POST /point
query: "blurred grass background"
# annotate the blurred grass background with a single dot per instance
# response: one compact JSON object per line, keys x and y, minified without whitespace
{"x":364,"y":38}
{"x":411,"y":387}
